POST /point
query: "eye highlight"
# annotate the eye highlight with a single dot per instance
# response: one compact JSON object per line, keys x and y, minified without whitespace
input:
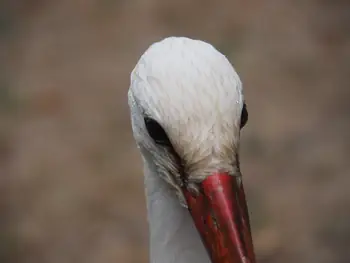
{"x":156,"y":132}
{"x":244,"y":116}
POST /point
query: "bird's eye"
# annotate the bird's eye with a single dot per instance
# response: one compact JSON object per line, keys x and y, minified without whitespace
{"x":156,"y":132}
{"x":244,"y":116}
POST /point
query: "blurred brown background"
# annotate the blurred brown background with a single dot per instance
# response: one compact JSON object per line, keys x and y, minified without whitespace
{"x":71,"y":186}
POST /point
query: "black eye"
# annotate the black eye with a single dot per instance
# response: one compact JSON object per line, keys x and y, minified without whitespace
{"x":156,"y":132}
{"x":244,"y":116}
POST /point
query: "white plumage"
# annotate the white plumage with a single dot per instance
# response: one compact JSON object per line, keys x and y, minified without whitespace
{"x":194,"y":93}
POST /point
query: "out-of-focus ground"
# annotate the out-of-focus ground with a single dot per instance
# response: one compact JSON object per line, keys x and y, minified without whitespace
{"x":71,"y":186}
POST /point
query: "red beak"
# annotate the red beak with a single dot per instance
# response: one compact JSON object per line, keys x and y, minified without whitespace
{"x":221,"y":216}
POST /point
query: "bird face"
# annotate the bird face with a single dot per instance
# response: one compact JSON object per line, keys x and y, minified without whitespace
{"x":187,"y":111}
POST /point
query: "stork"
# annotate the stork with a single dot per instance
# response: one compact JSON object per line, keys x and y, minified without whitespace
{"x":187,"y":111}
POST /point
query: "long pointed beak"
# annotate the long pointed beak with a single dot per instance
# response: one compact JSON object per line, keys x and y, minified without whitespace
{"x":221,"y":216}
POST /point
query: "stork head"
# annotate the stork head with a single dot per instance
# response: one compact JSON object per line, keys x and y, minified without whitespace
{"x":187,"y":110}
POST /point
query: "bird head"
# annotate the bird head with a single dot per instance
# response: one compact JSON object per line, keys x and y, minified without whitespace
{"x":188,"y":109}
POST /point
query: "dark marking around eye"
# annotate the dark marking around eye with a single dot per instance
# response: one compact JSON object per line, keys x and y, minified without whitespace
{"x":156,"y":131}
{"x":159,"y":136}
{"x":244,"y":116}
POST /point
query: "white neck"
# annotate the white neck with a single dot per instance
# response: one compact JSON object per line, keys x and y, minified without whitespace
{"x":173,"y":236}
